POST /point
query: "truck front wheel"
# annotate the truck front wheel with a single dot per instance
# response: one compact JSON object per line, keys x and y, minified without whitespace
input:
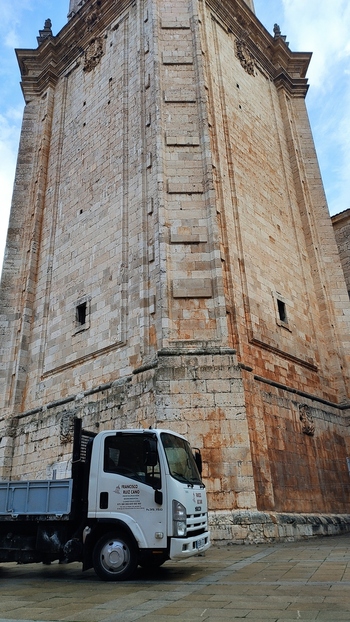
{"x":115,"y":557}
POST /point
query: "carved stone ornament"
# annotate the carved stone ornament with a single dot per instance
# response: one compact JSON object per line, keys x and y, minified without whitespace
{"x":66,"y":428}
{"x":93,"y":54}
{"x":245,"y":57}
{"x":94,"y":15}
{"x":307,"y":422}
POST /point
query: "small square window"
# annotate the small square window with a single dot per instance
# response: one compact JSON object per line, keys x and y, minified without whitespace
{"x":82,"y":314}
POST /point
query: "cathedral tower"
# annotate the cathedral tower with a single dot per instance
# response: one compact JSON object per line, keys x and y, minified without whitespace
{"x":171,"y":261}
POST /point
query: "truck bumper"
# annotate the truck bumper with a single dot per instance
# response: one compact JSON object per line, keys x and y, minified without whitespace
{"x":186,"y":547}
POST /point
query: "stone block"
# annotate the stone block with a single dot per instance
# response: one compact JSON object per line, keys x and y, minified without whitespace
{"x":180,"y":95}
{"x":177,"y":57}
{"x":188,"y":235}
{"x":179,"y":186}
{"x":181,"y":140}
{"x":175,"y":23}
{"x":192,"y":288}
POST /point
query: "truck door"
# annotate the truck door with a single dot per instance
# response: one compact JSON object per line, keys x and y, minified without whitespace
{"x":131,"y":484}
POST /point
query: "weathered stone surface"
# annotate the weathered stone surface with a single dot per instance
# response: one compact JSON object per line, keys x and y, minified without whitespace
{"x":255,"y":527}
{"x":341,"y":227}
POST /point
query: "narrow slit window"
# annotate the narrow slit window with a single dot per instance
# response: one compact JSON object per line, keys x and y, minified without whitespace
{"x":281,"y":306}
{"x":81,"y":314}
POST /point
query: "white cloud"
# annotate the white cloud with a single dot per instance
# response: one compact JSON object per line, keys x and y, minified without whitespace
{"x":343,"y":138}
{"x":11,"y":40}
{"x":10,"y":14}
{"x":9,"y":136}
{"x":14,"y":19}
{"x":9,"y":133}
{"x":322,"y":27}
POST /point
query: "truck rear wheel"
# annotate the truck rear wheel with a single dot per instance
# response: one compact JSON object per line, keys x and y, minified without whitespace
{"x":115,"y":557}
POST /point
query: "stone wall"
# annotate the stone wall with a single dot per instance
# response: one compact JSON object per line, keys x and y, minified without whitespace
{"x":300,"y":449}
{"x":341,"y":226}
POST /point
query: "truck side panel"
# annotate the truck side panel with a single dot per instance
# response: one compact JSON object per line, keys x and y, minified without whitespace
{"x":47,"y":497}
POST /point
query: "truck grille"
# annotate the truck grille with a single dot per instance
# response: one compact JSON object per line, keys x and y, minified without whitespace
{"x":197,"y":524}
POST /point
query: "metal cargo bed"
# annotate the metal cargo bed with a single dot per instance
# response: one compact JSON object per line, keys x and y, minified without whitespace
{"x":45,"y":497}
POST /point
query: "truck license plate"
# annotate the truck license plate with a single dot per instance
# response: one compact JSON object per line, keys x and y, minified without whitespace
{"x":200,"y":543}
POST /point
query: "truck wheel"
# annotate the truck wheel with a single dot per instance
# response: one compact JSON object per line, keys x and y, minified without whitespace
{"x":115,"y":557}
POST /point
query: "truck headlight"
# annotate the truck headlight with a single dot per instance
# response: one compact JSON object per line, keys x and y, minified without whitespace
{"x":179,"y":519}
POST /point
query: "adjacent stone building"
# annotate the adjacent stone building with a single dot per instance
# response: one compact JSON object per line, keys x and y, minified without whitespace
{"x":341,"y":226}
{"x":171,"y":261}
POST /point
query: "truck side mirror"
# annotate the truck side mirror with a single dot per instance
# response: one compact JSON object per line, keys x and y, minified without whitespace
{"x":198,"y":459}
{"x":150,"y":452}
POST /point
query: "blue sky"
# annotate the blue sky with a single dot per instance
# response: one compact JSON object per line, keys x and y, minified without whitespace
{"x":317,"y":26}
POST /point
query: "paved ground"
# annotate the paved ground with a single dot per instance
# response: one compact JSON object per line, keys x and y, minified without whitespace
{"x":263,"y":583}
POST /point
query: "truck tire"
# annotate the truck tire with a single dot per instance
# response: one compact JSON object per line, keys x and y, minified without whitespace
{"x":115,"y":557}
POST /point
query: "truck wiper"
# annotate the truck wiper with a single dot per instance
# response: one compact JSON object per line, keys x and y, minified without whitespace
{"x":190,"y":482}
{"x":182,"y":478}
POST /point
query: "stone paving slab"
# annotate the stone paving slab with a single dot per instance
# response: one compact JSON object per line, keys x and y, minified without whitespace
{"x":307,"y":580}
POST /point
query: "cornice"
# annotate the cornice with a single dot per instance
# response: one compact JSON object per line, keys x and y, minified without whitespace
{"x":56,"y":56}
{"x":37,"y":73}
{"x":272,"y":54}
{"x":342,"y":218}
{"x":297,"y":87}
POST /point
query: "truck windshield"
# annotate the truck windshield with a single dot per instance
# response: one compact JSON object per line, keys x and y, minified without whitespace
{"x":181,"y":462}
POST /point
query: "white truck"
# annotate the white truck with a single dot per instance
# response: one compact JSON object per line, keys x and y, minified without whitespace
{"x":135,"y":498}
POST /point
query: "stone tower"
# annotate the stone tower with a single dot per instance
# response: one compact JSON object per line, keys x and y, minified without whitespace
{"x":170,"y":260}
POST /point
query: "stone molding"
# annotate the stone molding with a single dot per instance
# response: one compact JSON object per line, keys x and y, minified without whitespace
{"x":316,"y":398}
{"x":254,"y":527}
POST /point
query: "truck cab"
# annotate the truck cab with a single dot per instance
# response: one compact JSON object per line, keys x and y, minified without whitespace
{"x":146,"y":485}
